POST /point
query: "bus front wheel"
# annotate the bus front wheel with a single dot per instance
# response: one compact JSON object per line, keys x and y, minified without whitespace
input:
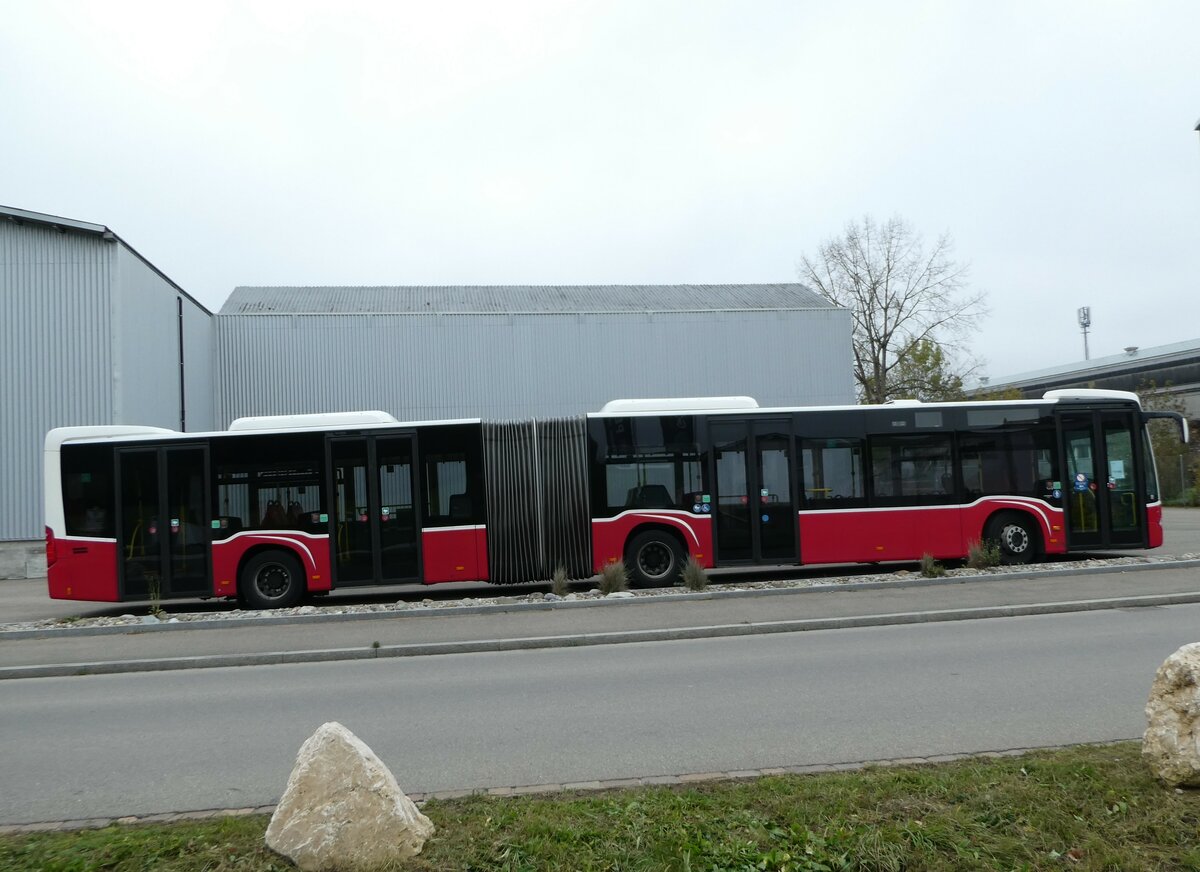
{"x":1016,"y":535}
{"x":272,"y":580}
{"x":654,"y":559}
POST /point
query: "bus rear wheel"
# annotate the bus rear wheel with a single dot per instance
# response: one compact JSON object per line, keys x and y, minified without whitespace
{"x":1016,"y":536}
{"x":654,"y":559}
{"x":271,"y":580}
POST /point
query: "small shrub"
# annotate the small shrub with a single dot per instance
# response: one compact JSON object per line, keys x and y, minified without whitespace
{"x":614,"y":577}
{"x":983,"y":555}
{"x":693,"y":576}
{"x":931,"y":568}
{"x":558,"y":582}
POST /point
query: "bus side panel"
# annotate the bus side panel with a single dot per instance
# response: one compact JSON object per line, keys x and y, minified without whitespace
{"x":1154,"y":524}
{"x":451,"y":554}
{"x":1050,"y":520}
{"x":311,"y":550}
{"x":609,"y":535}
{"x":481,"y":553}
{"x":870,"y":535}
{"x":86,"y":569}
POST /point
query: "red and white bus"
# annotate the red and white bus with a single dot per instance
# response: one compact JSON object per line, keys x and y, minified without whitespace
{"x":279,"y":507}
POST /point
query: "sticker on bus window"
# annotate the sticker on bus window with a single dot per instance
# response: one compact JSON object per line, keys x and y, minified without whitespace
{"x":324,"y":518}
{"x":216,"y":525}
{"x":1116,"y":469}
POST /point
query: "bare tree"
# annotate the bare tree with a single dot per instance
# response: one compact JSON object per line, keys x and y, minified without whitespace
{"x":904,"y":299}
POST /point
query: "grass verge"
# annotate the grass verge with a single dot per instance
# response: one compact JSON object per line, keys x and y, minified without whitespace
{"x":1082,"y":808}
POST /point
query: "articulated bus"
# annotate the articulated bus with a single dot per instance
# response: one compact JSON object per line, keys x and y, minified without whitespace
{"x":279,"y":507}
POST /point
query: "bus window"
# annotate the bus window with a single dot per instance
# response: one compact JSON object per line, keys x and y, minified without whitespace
{"x":909,"y":470}
{"x":985,"y":466}
{"x":87,"y":489}
{"x":651,"y":463}
{"x":452,"y":468}
{"x":833,"y":471}
{"x":268,"y":483}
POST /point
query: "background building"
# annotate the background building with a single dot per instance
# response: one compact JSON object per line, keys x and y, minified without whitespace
{"x":92,"y":333}
{"x":516,"y":352}
{"x":1172,"y":369}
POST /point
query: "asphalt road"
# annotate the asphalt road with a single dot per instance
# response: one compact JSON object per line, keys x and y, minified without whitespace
{"x":140,"y":744}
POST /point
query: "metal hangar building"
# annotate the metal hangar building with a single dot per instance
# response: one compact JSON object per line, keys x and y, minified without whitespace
{"x":93,"y":333}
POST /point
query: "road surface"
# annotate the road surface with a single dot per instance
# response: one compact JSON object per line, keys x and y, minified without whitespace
{"x":114,"y":745}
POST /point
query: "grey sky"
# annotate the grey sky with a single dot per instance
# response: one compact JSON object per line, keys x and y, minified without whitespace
{"x":581,"y":142}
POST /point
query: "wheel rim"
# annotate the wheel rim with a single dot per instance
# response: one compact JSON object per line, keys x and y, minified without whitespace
{"x":655,"y":560}
{"x":1015,"y":538}
{"x":273,"y":580}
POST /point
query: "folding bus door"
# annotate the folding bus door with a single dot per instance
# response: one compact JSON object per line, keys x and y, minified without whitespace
{"x":374,"y":524}
{"x":1102,"y":490}
{"x":163,"y":522}
{"x":755,"y":505}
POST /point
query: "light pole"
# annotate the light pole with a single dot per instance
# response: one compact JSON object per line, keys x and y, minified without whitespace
{"x":1085,"y":321}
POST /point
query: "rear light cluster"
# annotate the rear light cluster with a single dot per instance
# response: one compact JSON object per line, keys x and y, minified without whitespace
{"x":51,"y":548}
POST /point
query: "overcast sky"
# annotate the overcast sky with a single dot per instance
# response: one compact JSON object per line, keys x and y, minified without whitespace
{"x":642,"y":142}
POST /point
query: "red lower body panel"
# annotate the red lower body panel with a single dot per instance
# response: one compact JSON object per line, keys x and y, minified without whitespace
{"x":1154,"y":524}
{"x":86,"y":569}
{"x":944,"y":532}
{"x":609,"y":535}
{"x":454,"y":554}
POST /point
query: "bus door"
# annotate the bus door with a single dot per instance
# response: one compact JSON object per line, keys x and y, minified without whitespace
{"x":163,"y":522}
{"x":755,"y":507}
{"x":374,"y":524}
{"x":1103,"y":487}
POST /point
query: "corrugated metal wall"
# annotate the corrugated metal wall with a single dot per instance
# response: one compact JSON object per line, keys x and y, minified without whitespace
{"x":519,"y":366}
{"x":88,"y":335}
{"x":147,"y":381}
{"x":55,"y":355}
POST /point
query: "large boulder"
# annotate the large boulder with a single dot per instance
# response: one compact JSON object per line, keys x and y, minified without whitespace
{"x":342,"y":809}
{"x":1171,"y":744}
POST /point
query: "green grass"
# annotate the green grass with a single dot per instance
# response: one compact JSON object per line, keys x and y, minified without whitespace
{"x":1088,"y":808}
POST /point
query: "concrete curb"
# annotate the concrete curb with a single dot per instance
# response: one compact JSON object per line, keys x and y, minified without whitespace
{"x":581,"y":640}
{"x":684,"y":779}
{"x":219,"y":622}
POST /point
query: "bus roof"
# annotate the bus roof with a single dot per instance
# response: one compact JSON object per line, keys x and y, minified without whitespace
{"x":720,"y":406}
{"x":376,"y":420}
{"x":121,"y":433}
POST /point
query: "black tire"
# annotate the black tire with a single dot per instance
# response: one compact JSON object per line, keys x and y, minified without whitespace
{"x":1017,"y":536}
{"x":271,"y":580}
{"x":654,"y":559}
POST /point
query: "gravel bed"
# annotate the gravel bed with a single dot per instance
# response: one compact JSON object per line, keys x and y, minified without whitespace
{"x":235,"y":614}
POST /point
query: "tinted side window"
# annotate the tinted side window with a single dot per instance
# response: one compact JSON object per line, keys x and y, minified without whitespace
{"x":452,"y":475}
{"x":269,"y":483}
{"x":87,"y":490}
{"x":648,"y":462}
{"x":985,"y":464}
{"x":912,"y":470}
{"x":833,"y":472}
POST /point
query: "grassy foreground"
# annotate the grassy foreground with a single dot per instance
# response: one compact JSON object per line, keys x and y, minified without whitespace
{"x":1081,"y":808}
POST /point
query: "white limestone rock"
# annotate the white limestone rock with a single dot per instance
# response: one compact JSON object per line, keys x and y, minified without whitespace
{"x":343,"y":810}
{"x":1171,"y":744}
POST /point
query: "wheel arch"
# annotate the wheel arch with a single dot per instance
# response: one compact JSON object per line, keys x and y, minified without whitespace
{"x":658,"y":527}
{"x":307,"y":564}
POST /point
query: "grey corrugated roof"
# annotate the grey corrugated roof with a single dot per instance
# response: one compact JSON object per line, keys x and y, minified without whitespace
{"x":22,"y":216}
{"x":514,"y":299}
{"x":1187,"y":349}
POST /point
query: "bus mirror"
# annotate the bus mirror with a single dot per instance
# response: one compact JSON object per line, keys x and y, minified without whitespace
{"x":1176,"y":416}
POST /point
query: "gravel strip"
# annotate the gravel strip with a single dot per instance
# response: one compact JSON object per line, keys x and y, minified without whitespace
{"x":536,"y":598}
